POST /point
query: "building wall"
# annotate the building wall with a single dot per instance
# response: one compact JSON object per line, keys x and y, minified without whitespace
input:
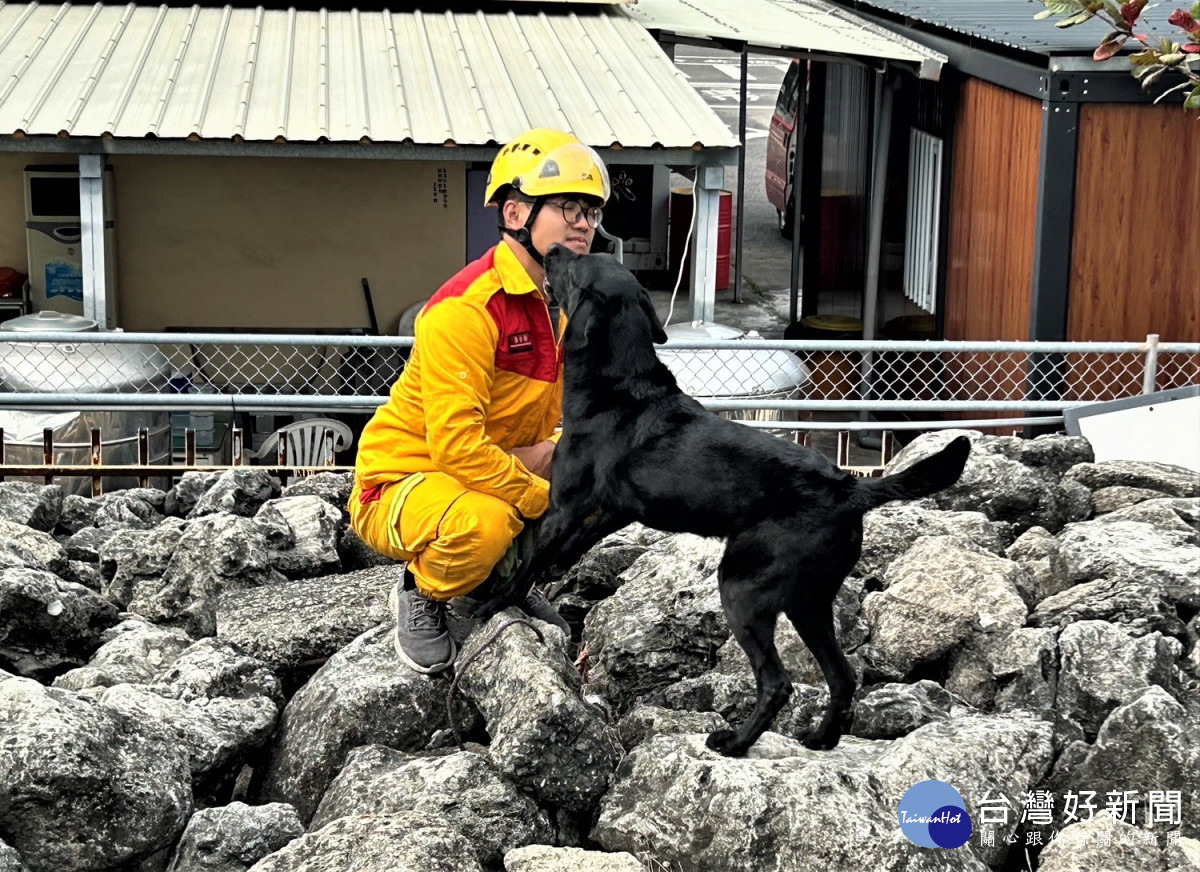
{"x":268,"y":242}
{"x":993,"y":213}
{"x":1135,"y":256}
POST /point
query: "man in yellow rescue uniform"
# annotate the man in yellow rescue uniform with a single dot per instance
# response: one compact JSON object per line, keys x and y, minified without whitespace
{"x":456,"y":461}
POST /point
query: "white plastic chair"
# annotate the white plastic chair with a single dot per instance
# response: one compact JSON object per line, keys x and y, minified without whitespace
{"x":306,"y":444}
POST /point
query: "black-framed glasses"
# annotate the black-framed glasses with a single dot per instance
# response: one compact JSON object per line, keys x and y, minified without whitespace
{"x":573,"y":210}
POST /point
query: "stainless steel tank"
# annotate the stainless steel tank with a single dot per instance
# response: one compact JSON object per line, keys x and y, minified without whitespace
{"x":87,"y":367}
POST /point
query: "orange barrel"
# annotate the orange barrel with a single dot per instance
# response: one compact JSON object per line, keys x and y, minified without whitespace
{"x":680,"y":211}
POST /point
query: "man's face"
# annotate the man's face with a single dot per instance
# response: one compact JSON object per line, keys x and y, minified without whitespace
{"x":564,"y":219}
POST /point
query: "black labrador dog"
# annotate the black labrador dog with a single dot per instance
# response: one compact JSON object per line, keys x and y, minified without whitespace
{"x":634,"y":447}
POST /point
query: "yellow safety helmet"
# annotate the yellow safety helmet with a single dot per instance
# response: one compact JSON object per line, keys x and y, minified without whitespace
{"x":541,"y":162}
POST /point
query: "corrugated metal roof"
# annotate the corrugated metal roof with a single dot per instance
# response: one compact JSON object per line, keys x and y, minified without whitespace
{"x":1008,"y":22}
{"x":257,"y":74}
{"x":798,"y":25}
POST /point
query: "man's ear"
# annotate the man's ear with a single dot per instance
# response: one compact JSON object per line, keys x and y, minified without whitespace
{"x":657,"y":333}
{"x":510,"y":214}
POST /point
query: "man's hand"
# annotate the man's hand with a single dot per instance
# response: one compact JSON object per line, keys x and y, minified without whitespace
{"x":536,"y":458}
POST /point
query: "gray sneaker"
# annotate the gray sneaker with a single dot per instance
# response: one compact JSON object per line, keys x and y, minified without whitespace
{"x":420,"y":637}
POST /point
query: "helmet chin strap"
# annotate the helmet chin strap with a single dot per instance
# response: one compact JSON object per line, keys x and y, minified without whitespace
{"x":524,"y":236}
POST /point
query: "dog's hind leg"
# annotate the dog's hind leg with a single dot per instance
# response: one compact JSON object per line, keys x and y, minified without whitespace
{"x":752,"y":617}
{"x":814,"y":622}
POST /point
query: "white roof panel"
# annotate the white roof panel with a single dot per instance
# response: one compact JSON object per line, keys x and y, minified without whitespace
{"x":796,"y":25}
{"x":465,"y":78}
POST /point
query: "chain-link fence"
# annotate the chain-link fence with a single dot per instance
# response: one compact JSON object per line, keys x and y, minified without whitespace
{"x":764,"y":380}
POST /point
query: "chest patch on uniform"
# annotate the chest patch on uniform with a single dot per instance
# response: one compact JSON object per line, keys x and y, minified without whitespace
{"x":519,"y":342}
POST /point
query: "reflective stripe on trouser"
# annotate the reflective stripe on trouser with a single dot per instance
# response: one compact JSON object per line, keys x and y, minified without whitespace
{"x":450,"y":536}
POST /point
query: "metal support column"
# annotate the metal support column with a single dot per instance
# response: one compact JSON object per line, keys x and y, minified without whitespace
{"x":96,"y":303}
{"x":741,"y":185}
{"x":808,"y":196}
{"x":702,"y":292}
{"x":1054,"y":229}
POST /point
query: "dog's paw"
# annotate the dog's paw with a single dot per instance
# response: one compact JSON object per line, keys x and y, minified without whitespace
{"x":726,"y":742}
{"x":820,"y":740}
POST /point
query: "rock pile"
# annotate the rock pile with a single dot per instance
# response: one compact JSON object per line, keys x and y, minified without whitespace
{"x":204,"y":680}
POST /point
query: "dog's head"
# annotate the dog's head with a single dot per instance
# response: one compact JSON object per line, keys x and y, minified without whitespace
{"x":594,"y":289}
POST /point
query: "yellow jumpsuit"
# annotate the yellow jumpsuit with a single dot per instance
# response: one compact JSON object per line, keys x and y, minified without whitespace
{"x":434,"y":483}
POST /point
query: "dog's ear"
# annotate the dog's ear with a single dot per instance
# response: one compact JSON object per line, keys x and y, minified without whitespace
{"x":584,"y":325}
{"x":657,"y":333}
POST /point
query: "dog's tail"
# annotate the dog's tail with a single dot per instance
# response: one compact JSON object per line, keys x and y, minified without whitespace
{"x":925,"y":477}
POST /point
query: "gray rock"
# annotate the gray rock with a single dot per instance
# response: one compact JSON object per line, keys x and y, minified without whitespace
{"x":893,"y":710}
{"x":544,"y":737}
{"x":133,"y":509}
{"x":664,"y":623}
{"x":1177,"y":514}
{"x":1010,"y":480}
{"x":33,"y":548}
{"x":1046,"y":572}
{"x":891,"y":530}
{"x":354,"y":553}
{"x":1104,"y":666}
{"x":293,"y":623}
{"x":239,"y":491}
{"x":31,"y":505}
{"x":216,"y":555}
{"x":332,"y":487}
{"x":1113,"y":846}
{"x":647,"y":721}
{"x":1111,"y":499}
{"x":376,"y":843}
{"x":133,"y":652}
{"x":87,"y":543}
{"x":234,"y":837}
{"x":785,"y":807}
{"x":363,"y":695}
{"x":1136,"y":552}
{"x":136,"y":559}
{"x":302,"y":533}
{"x":1174,"y":481}
{"x":10,"y":860}
{"x":183,"y":497}
{"x":940,"y":593}
{"x":1150,"y":743}
{"x":1010,"y":672}
{"x":462,"y":789}
{"x":1054,"y":454}
{"x":120,"y":786}
{"x":543,"y":858}
{"x":47,"y":623}
{"x":732,"y":696}
{"x":1142,"y":608}
{"x":77,"y":512}
{"x":218,"y":734}
{"x":213,"y":668}
{"x":87,"y":574}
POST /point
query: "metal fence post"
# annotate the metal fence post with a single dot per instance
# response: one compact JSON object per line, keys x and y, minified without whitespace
{"x":1150,"y":375}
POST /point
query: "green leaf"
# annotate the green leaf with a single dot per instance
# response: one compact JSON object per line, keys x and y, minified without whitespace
{"x":1043,"y":15}
{"x":1144,"y":58}
{"x":1074,"y":19}
{"x":1142,"y":72}
{"x":1153,"y":76}
{"x":1193,"y":99}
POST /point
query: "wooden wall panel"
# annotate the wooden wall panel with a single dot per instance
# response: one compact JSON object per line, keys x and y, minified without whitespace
{"x":1135,"y":255}
{"x":993,"y":213}
{"x":989,"y":281}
